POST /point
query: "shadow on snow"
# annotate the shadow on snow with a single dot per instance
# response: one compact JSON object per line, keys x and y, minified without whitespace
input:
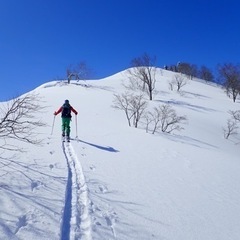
{"x":109,"y":149}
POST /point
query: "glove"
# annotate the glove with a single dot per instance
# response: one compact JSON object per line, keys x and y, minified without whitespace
{"x":55,"y":113}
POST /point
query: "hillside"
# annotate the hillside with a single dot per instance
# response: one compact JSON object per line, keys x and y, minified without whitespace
{"x":113,"y":181}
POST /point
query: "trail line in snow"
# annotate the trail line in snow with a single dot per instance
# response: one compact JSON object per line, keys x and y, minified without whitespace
{"x":103,"y":215}
{"x":76,"y":220}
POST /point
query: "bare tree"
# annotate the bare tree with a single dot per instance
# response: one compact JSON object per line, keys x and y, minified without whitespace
{"x":138,"y":106}
{"x":79,"y":72}
{"x":187,"y":69}
{"x":205,"y":74}
{"x":149,"y":117}
{"x":235,"y":115}
{"x":230,"y":129}
{"x":165,"y":118}
{"x":232,"y":124}
{"x":153,"y":118}
{"x":171,"y":85}
{"x":179,"y":81}
{"x":133,"y":84}
{"x":143,"y":71}
{"x":133,"y":106}
{"x":17,"y":122}
{"x":230,"y":75}
{"x":122,"y":102}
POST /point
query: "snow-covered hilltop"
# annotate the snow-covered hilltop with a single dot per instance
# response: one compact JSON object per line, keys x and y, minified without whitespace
{"x":113,"y":181}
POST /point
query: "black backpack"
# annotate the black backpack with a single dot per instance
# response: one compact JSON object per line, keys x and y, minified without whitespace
{"x":66,"y":110}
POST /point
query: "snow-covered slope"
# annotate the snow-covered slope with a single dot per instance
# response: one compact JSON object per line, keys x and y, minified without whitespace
{"x":117,"y":182}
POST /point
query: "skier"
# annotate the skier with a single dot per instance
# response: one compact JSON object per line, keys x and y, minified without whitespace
{"x":66,"y":110}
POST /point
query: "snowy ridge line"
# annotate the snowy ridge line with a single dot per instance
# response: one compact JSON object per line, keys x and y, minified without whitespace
{"x":76,"y":222}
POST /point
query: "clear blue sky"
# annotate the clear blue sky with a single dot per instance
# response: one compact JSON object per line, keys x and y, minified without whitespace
{"x":39,"y":39}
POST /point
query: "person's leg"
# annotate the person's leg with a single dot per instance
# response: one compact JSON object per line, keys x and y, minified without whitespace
{"x":68,"y":128}
{"x":63,"y":126}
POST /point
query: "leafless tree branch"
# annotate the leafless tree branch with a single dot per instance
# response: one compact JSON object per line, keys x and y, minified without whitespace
{"x":133,"y":106}
{"x":165,"y":118}
{"x":17,"y":122}
{"x":142,"y":74}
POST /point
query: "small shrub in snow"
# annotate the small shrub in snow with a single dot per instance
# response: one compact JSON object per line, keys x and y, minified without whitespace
{"x":133,"y":105}
{"x":230,"y":129}
{"x":164,"y":118}
{"x":178,"y":81}
{"x":232,"y":124}
{"x":17,"y":122}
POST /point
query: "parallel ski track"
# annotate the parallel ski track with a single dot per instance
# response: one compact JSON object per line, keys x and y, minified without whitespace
{"x":76,"y":220}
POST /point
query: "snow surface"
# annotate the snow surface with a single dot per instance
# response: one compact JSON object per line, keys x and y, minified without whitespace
{"x":113,"y":181}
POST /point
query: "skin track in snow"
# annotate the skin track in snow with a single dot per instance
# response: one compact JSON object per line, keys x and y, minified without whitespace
{"x":76,"y":222}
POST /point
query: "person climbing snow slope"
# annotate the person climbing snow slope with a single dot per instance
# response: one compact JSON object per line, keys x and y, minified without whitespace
{"x":66,"y":110}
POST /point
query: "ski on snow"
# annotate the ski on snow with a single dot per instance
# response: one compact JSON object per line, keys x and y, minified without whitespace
{"x":65,"y":139}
